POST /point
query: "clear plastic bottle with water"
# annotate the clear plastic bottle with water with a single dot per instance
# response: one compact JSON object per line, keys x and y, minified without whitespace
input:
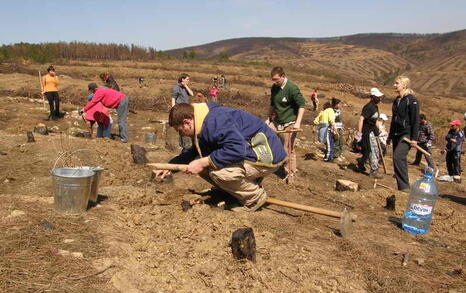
{"x":422,"y":198}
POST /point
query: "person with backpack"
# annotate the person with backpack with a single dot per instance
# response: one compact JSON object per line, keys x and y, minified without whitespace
{"x":405,"y":123}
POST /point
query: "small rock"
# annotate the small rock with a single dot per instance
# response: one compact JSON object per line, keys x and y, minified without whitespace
{"x":77,"y":254}
{"x":41,"y":129}
{"x":47,"y":225}
{"x":63,"y":252}
{"x":76,"y":123}
{"x":3,"y":153}
{"x":343,"y":185}
{"x":16,"y":213}
{"x":68,"y":240}
{"x":78,"y":132}
{"x":419,"y":261}
{"x":55,"y":129}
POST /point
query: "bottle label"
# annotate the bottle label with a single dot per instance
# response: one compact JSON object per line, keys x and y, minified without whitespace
{"x":424,"y":186}
{"x":421,"y":209}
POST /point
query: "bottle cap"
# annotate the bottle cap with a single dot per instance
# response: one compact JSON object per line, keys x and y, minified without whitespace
{"x":428,"y":172}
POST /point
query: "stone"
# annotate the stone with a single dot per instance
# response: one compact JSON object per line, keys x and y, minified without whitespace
{"x":78,"y":132}
{"x":41,"y":129}
{"x":68,"y":240}
{"x":63,"y":252}
{"x":77,"y":254}
{"x":346,"y":185}
{"x":16,"y":213}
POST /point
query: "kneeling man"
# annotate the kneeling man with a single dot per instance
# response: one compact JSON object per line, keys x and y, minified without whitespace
{"x":233,"y":150}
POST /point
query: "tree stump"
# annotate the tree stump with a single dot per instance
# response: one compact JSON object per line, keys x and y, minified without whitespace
{"x":30,"y":137}
{"x":243,"y":244}
{"x":391,"y":201}
{"x":139,"y":155}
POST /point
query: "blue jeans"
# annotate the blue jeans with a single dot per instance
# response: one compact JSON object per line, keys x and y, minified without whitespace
{"x":104,"y":132}
{"x":122,"y":111}
{"x":329,"y":146}
{"x":322,"y":130}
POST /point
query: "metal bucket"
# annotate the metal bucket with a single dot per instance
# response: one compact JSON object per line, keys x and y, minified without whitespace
{"x":71,"y":189}
{"x":95,"y":182}
{"x":150,"y":138}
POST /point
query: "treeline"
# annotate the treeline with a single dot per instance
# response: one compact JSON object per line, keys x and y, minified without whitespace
{"x":48,"y":52}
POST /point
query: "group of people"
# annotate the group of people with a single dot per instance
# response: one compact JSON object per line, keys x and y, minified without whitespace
{"x":99,"y":100}
{"x":408,"y":129}
{"x":234,"y":150}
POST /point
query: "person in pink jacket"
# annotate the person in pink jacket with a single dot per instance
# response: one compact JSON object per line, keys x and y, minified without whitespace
{"x":213,"y":94}
{"x":100,"y":115}
{"x":111,"y":99}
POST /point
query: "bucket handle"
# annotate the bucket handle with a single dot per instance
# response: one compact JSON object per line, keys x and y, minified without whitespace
{"x":69,"y":154}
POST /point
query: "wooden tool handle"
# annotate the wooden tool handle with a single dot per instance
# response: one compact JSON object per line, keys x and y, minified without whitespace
{"x":417,"y":147}
{"x":166,"y":166}
{"x":306,"y":208}
{"x":381,"y":155}
{"x":290,"y":130}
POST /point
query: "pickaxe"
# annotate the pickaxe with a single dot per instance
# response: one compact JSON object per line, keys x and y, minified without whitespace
{"x":346,"y":218}
{"x":417,"y":147}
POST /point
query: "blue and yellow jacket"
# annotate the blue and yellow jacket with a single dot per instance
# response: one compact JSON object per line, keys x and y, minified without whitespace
{"x":229,"y":136}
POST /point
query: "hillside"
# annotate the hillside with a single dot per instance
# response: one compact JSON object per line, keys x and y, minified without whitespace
{"x":434,"y":61}
{"x":137,"y":238}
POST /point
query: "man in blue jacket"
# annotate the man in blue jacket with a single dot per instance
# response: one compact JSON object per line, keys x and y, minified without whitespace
{"x":233,"y":150}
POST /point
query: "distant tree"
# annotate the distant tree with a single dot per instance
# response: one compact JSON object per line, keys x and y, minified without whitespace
{"x":223,"y":56}
{"x":192,"y":54}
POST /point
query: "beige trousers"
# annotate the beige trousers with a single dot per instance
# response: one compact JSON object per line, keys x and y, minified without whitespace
{"x":241,"y":180}
{"x":285,"y":138}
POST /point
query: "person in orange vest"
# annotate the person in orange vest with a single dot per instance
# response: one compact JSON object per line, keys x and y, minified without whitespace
{"x":50,"y":90}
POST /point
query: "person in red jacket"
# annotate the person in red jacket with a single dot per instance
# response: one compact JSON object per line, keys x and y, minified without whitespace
{"x":111,"y":99}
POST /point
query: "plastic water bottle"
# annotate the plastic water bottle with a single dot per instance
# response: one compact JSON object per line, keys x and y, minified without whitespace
{"x":418,"y":214}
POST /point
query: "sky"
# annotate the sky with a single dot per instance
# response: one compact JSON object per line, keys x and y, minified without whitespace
{"x":181,"y":23}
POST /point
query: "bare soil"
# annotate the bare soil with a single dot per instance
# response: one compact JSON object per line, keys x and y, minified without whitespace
{"x":138,"y":239}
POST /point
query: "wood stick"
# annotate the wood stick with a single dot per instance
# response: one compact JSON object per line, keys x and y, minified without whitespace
{"x":42,"y":90}
{"x":306,"y":208}
{"x":166,"y":166}
{"x":182,"y":167}
{"x":381,"y":155}
{"x":290,"y":130}
{"x":417,"y":147}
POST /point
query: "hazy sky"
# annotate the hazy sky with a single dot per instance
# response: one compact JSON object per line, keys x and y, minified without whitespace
{"x":174,"y":24}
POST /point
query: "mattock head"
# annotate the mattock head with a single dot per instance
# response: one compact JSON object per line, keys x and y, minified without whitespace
{"x":346,"y":224}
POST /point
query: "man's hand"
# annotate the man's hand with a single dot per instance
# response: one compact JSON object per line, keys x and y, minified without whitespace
{"x":453,"y":140}
{"x":358,"y":136}
{"x":197,"y":166}
{"x":297,"y":125}
{"x":413,"y":143}
{"x":162,"y":173}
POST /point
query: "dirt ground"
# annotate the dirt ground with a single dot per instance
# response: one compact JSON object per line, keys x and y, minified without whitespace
{"x":138,"y":239}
